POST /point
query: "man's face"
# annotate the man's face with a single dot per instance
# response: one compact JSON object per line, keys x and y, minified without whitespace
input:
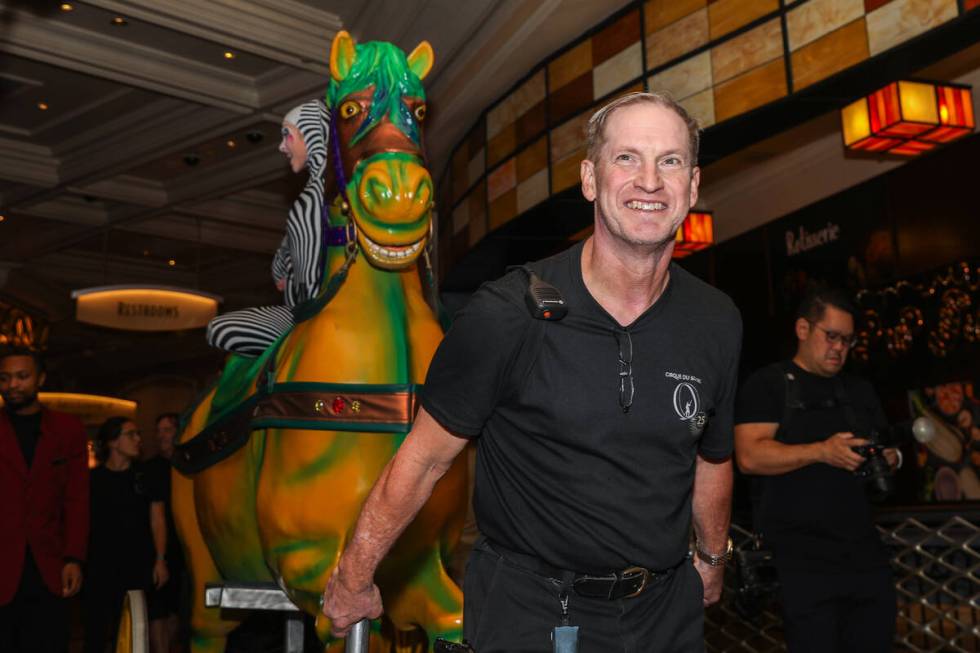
{"x":128,"y":444}
{"x":19,"y":381}
{"x":643,"y":183}
{"x":293,"y":146}
{"x":166,"y":431}
{"x":824,"y":344}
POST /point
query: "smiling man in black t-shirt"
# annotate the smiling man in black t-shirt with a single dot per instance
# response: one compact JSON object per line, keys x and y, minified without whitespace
{"x":797,"y":423}
{"x":601,"y":437}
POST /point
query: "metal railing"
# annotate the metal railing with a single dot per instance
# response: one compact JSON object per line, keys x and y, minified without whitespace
{"x":935,"y":554}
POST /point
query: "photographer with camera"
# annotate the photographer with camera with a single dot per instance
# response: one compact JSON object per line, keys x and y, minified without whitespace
{"x":802,"y":426}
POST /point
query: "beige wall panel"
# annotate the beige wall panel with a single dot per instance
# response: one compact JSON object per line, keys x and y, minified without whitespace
{"x":900,"y":20}
{"x":475,"y":167}
{"x":570,"y":65}
{"x":842,"y":48}
{"x":532,"y":191}
{"x":461,"y":217}
{"x":686,"y":78}
{"x":617,"y":70}
{"x":569,"y":136}
{"x":747,"y":51}
{"x":702,"y":107}
{"x":504,"y":209}
{"x":523,"y":98}
{"x":565,"y":173}
{"x":660,"y":13}
{"x":812,"y":20}
{"x":677,"y":38}
{"x":725,"y":16}
{"x":750,"y":90}
{"x":531,"y":159}
{"x":501,"y":145}
{"x":502,"y":179}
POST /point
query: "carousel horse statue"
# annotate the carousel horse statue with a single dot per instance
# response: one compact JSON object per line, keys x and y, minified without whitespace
{"x":273,"y":465}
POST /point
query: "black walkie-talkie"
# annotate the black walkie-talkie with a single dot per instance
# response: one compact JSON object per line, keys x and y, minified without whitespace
{"x":544,"y":300}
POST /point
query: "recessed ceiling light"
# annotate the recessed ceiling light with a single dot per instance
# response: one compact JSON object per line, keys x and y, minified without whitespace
{"x":231,"y":143}
{"x":229,"y":54}
{"x":171,"y":262}
{"x":67,"y":6}
{"x":2,"y":218}
{"x":120,"y":21}
{"x":146,"y":252}
{"x":43,"y":106}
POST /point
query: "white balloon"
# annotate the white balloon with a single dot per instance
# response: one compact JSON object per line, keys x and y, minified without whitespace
{"x":924,"y":429}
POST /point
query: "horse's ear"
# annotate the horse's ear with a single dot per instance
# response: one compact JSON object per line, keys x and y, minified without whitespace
{"x":421,"y":60}
{"x":342,"y":55}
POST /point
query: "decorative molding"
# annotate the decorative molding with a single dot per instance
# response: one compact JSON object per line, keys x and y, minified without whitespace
{"x":286,"y":31}
{"x":126,"y":188}
{"x":82,"y":50}
{"x":26,"y":163}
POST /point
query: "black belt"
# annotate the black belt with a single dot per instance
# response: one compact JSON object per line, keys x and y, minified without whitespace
{"x":615,"y":585}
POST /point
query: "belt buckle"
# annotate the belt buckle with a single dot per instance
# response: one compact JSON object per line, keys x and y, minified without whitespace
{"x":643,"y":585}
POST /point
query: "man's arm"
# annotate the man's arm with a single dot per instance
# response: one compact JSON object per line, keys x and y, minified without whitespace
{"x":712,"y":509}
{"x":158,"y":525}
{"x":400,"y":492}
{"x":758,"y":451}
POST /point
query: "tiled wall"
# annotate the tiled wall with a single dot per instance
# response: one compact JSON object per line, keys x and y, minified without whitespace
{"x":718,"y":58}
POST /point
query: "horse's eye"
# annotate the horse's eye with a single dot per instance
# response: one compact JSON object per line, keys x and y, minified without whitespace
{"x":420,"y":112}
{"x":349,"y":109}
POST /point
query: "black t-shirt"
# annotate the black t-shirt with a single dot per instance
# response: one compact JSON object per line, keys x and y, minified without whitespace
{"x":817,"y":517}
{"x":28,"y":431}
{"x":562,"y":472}
{"x":120,"y":538}
{"x":158,"y":470}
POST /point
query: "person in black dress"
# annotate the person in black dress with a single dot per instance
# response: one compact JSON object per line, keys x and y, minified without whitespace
{"x":127,"y":530}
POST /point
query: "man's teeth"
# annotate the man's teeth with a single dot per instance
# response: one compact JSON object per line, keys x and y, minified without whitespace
{"x":646,"y":206}
{"x":392,"y":253}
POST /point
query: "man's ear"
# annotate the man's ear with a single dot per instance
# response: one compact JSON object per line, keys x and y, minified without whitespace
{"x":695,"y":184}
{"x":587,"y":172}
{"x":802,"y":328}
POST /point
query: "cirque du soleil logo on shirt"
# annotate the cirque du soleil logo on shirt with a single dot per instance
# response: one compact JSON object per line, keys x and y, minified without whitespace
{"x":801,"y":240}
{"x":687,"y":400}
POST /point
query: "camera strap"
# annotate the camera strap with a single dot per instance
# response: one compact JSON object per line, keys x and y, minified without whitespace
{"x":528,"y":353}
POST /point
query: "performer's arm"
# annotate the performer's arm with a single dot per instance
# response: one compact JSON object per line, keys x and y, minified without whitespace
{"x":758,"y":451}
{"x":712,"y":507}
{"x":400,"y":492}
{"x":280,"y":262}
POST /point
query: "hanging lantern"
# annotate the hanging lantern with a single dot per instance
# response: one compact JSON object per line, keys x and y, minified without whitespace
{"x":695,"y":234}
{"x":907,"y":118}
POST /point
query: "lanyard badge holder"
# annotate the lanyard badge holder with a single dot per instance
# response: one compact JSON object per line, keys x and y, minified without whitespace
{"x":564,"y":638}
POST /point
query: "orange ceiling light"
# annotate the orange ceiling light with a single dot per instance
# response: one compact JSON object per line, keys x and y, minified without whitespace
{"x":696,"y":233}
{"x":907,"y":118}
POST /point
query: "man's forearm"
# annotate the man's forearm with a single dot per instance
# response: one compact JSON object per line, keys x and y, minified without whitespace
{"x":769,"y":457}
{"x":400,"y":492}
{"x":712,"y":504}
{"x":158,"y":527}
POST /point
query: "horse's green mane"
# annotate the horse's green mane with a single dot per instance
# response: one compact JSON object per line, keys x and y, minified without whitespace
{"x":385,"y":67}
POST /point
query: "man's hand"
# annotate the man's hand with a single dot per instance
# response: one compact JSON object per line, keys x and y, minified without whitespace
{"x":711,"y":578}
{"x":344,"y":606}
{"x":71,"y":579}
{"x":160,"y":573}
{"x":892,"y":456}
{"x":838,"y":451}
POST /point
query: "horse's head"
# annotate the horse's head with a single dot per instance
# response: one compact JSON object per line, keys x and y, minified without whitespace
{"x":378,"y":106}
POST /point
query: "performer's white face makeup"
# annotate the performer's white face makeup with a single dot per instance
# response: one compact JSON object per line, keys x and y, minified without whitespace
{"x":293,"y":146}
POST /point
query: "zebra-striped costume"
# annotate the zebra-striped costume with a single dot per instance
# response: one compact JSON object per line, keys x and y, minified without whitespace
{"x":298,"y":260}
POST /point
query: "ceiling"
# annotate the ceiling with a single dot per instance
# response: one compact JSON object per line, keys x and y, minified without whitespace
{"x":138,"y":141}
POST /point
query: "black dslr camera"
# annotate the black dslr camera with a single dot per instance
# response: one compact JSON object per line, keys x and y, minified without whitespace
{"x":876,"y":472}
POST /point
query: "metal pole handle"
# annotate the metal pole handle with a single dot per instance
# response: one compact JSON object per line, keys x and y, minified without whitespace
{"x":358,"y":638}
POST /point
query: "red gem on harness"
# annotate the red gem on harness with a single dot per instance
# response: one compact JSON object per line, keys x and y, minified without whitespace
{"x":338,"y":405}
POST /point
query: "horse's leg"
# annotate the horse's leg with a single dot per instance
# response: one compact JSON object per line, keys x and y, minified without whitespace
{"x":208,"y":630}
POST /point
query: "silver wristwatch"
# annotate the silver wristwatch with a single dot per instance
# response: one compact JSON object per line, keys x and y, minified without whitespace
{"x":712,"y":559}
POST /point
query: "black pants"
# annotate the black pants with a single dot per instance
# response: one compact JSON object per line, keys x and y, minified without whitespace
{"x":36,"y":621}
{"x":509,"y":609}
{"x":102,"y":602}
{"x":838,"y":613}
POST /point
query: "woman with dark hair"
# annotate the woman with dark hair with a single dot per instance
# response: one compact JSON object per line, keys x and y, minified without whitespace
{"x":126,"y":551}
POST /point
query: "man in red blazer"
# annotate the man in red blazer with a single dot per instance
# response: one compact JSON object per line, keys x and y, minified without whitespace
{"x":44,"y":510}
